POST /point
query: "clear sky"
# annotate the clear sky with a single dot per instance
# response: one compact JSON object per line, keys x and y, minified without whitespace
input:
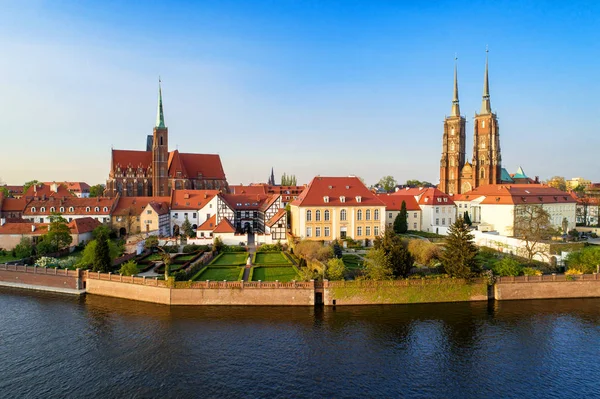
{"x":309,"y":87}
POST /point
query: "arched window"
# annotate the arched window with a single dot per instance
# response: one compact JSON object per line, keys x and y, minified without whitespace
{"x":482,"y":173}
{"x":87,"y":208}
{"x":43,"y":209}
{"x":317,"y":216}
{"x":358,"y":215}
{"x":376,"y":215}
{"x":71,"y":209}
{"x":105,"y":209}
{"x":140,"y":189}
{"x":52,"y":209}
{"x":452,"y":146}
{"x":343,"y":214}
{"x":308,"y":215}
{"x":368,"y":214}
{"x":97,"y":209}
{"x":326,"y":216}
{"x":161,"y":140}
{"x":33,"y":209}
{"x":62,"y":209}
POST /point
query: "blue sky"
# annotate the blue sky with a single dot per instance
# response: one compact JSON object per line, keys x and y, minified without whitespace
{"x":307,"y":87}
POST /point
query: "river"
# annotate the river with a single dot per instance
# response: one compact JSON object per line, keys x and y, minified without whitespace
{"x":54,"y":346}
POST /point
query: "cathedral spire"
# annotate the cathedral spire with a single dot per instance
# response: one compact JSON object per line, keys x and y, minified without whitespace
{"x":455,"y":106}
{"x":160,"y":118}
{"x":486,"y":107}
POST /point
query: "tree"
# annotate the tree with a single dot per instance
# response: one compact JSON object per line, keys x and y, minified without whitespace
{"x":337,"y":249}
{"x":59,"y":234}
{"x":129,"y":268}
{"x":533,"y":226}
{"x":4,"y":191}
{"x":29,"y":184}
{"x":401,"y":221}
{"x":167,"y":260}
{"x":24,"y":248}
{"x":89,"y":252}
{"x":468,"y":219}
{"x":186,"y":228}
{"x":418,"y":183}
{"x":102,"y":261}
{"x":458,"y":258}
{"x":557,"y":182}
{"x":97,"y":190}
{"x":585,"y":261}
{"x":579,"y":189}
{"x":288,"y":180}
{"x":151,"y":242}
{"x":336,"y":268}
{"x":377,"y":265}
{"x":400,"y":260}
{"x":388,"y":183}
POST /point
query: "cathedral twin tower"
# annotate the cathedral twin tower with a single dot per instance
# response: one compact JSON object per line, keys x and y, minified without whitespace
{"x":457,"y":175}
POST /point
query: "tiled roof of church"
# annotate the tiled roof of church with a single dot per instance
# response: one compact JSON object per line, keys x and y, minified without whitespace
{"x":124,"y":158}
{"x":207,"y":165}
{"x":334,"y":189}
{"x":175,"y":165}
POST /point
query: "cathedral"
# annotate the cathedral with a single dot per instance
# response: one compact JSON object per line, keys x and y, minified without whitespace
{"x":156,"y":171}
{"x":457,"y":175}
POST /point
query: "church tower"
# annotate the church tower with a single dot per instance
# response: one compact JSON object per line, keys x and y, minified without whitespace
{"x":487,"y":160}
{"x":160,"y":152}
{"x":453,"y":145}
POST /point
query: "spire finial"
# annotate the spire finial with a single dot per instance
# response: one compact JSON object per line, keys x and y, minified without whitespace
{"x":160,"y":118}
{"x":486,"y":107}
{"x":455,"y":106}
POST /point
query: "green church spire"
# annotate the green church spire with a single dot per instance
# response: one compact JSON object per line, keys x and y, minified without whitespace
{"x":486,"y":107}
{"x":160,"y":117}
{"x":455,"y":106}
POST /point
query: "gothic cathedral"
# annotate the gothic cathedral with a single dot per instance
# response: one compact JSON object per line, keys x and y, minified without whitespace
{"x":457,"y":175}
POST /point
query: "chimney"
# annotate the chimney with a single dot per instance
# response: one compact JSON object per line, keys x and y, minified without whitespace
{"x":32,"y":228}
{"x":54,"y":187}
{"x":2,"y":221}
{"x":35,"y":188}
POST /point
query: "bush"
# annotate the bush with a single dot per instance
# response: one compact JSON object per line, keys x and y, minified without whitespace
{"x":271,"y":247}
{"x":190,"y":248}
{"x":129,"y":268}
{"x":46,"y":261}
{"x":233,"y":248}
{"x":584,"y":261}
{"x":424,"y":252}
{"x":508,"y":266}
{"x":24,"y":248}
{"x":336,"y":269}
{"x":531,"y":271}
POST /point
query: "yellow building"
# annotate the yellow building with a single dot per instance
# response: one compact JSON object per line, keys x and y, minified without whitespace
{"x":135,"y":215}
{"x":578,"y":181}
{"x":332,"y":208}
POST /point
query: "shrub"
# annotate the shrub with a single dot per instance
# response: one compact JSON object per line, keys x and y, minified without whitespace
{"x":531,"y":271}
{"x":151,"y":242}
{"x":584,"y":261}
{"x":46,"y":261}
{"x":335,"y":269}
{"x":170,"y":249}
{"x":424,"y":252}
{"x":573,"y":272}
{"x":508,"y":266}
{"x":271,"y":247}
{"x":129,"y":268}
{"x":233,"y":248}
{"x":24,"y":248}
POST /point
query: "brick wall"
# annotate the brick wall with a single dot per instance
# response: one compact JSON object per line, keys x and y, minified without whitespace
{"x":42,"y":277}
{"x":547,"y":287}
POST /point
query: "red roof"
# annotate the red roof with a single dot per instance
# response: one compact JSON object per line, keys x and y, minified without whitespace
{"x":77,"y":226}
{"x":276,"y":217}
{"x":245,"y":201}
{"x":161,"y":208}
{"x":333,"y":189}
{"x":47,"y":190}
{"x":224,"y":226}
{"x":71,"y":206}
{"x":517,"y":194}
{"x":83,"y":225}
{"x":271,"y":199}
{"x":209,"y":225}
{"x":251,"y":189}
{"x":74,"y":186}
{"x":393,"y":202}
{"x":134,"y":204}
{"x":191,"y":199}
{"x":427,"y":196}
{"x":13,"y":204}
{"x":193,"y":166}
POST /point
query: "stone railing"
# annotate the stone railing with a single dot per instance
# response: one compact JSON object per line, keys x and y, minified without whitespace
{"x":547,"y":278}
{"x":155,"y":282}
{"x":40,"y":270}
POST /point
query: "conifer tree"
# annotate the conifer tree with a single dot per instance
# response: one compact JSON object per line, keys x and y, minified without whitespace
{"x":401,"y":221}
{"x":467,"y":219}
{"x":102,"y":262}
{"x":187,"y":229}
{"x":400,"y":260}
{"x":458,"y":259}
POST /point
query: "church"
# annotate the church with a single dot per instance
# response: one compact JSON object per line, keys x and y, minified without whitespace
{"x":157,"y":171}
{"x":457,"y":175}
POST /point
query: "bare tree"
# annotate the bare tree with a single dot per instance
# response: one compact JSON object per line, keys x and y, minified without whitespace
{"x":532,"y":225}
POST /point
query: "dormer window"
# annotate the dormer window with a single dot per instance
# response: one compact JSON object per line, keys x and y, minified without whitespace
{"x":87,"y":208}
{"x":326,"y":199}
{"x":33,"y":209}
{"x":439,"y":199}
{"x":52,"y":209}
{"x":342,"y":198}
{"x":347,"y":187}
{"x":105,"y":209}
{"x":358,"y":198}
{"x":62,"y":209}
{"x":97,"y":209}
{"x":42,"y":209}
{"x":71,"y":209}
{"x":445,"y":199}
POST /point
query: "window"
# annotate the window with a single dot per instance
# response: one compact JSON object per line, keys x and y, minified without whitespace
{"x":255,"y":214}
{"x":376,"y":231}
{"x":437,"y":221}
{"x":414,"y":226}
{"x":368,"y":214}
{"x":52,"y":209}
{"x":148,"y":212}
{"x":326,"y":199}
{"x":343,"y":214}
{"x":185,"y":215}
{"x":70,"y":220}
{"x":358,"y":198}
{"x":97,"y":209}
{"x":376,"y":214}
{"x":87,"y":209}
{"x":318,"y":216}
{"x":175,"y":215}
{"x":326,"y":232}
{"x":415,"y":215}
{"x":105,"y":209}
{"x":359,"y":214}
{"x":308,"y":231}
{"x":368,"y":230}
{"x":71,"y":209}
{"x":482,"y":123}
{"x":326,"y":215}
{"x":308,"y":215}
{"x":449,"y":221}
{"x":317,"y":232}
{"x":194,"y":215}
{"x":41,"y":220}
{"x":460,"y":205}
{"x":437,"y":209}
{"x":62,"y":209}
{"x":443,"y":221}
{"x":342,"y":199}
{"x":359,"y":231}
{"x":33,"y":209}
{"x":43,"y":209}
{"x":390,"y":215}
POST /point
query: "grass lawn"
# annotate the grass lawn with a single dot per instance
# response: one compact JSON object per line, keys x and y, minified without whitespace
{"x":184,"y":258}
{"x":7,"y":258}
{"x":271,"y":258}
{"x":231,"y":259}
{"x":283,"y":273}
{"x":220,"y":274}
{"x":352,"y":262}
{"x":154,"y":257}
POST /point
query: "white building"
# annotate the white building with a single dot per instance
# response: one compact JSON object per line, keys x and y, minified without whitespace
{"x":197,"y":206}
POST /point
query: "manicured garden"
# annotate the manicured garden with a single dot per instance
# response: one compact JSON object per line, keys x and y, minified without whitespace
{"x":352,"y":262}
{"x":271,"y":258}
{"x":230,"y":259}
{"x":280,"y":273}
{"x":219,"y":274}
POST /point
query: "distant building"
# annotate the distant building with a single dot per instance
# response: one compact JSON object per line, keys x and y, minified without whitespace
{"x":575,"y":182}
{"x":393,"y":204}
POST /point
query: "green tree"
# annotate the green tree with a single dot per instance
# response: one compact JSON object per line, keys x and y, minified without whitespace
{"x":102,"y":229}
{"x":401,"y":221}
{"x":418,"y":183}
{"x":89,"y":252}
{"x":585,"y":261}
{"x":24,"y":248}
{"x":129,"y":268}
{"x":288,"y":180}
{"x":336,"y":268}
{"x":97,"y":190}
{"x":377,"y":265}
{"x":337,"y":249}
{"x":29,"y":184}
{"x":533,"y":226}
{"x":102,"y":261}
{"x":4,"y":191}
{"x":557,"y":182}
{"x":186,"y":228}
{"x":467,"y":218}
{"x":151,"y":242}
{"x":508,"y":266}
{"x":387,"y":183}
{"x":167,"y":260}
{"x":459,"y":256}
{"x":59,"y":234}
{"x":400,"y":260}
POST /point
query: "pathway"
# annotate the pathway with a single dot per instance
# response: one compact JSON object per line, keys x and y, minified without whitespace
{"x":251,"y":251}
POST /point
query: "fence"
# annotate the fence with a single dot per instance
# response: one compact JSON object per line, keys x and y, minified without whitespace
{"x":547,"y":278}
{"x":155,"y":282}
{"x":39,"y":270}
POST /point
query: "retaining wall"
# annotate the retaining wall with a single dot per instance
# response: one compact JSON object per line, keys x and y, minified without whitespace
{"x":47,"y":279}
{"x":547,"y":287}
